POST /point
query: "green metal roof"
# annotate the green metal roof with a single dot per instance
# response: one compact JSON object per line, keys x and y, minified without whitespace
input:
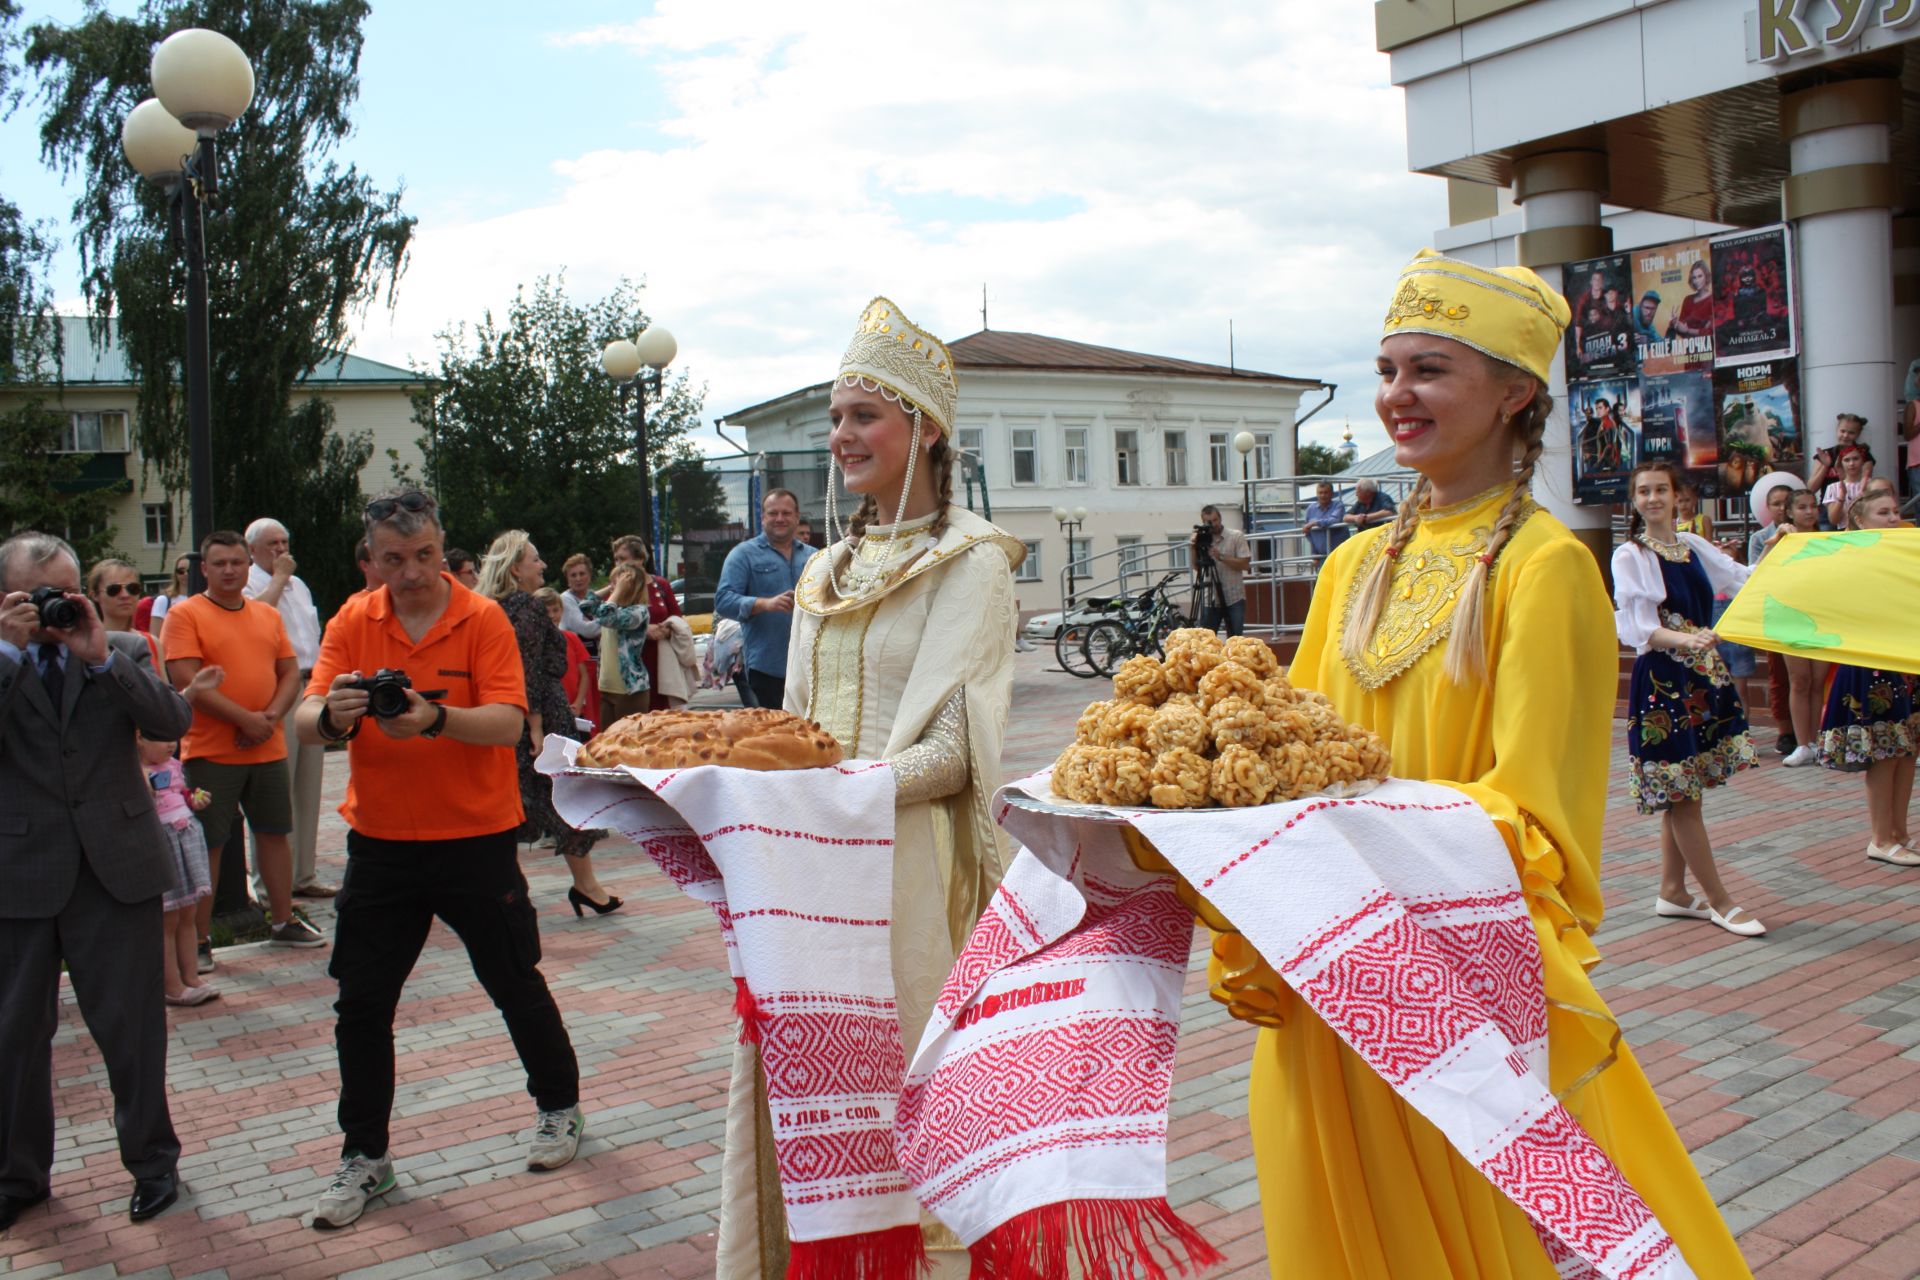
{"x":84,"y":364}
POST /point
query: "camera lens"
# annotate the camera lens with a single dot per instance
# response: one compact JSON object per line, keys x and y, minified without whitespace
{"x":387,"y":701}
{"x":59,"y":613}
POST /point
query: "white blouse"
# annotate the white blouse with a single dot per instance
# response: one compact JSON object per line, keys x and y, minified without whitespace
{"x":1639,"y":588}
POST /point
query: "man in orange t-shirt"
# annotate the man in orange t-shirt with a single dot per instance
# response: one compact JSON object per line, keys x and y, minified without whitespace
{"x":433,"y":801}
{"x":235,"y":750}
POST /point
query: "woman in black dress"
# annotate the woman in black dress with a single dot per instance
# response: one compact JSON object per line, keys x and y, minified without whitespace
{"x":511,"y":572}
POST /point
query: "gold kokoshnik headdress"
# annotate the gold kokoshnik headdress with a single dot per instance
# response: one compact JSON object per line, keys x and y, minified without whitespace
{"x":1509,"y":313}
{"x":894,"y":356}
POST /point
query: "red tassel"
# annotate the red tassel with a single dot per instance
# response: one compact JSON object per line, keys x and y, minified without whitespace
{"x":1109,"y":1239}
{"x":747,"y":1011}
{"x":898,"y":1253}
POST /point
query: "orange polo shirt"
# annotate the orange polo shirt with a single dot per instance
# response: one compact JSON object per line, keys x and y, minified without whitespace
{"x":428,"y":788}
{"x":245,"y":643}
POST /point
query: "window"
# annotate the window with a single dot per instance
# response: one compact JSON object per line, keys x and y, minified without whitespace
{"x":1218,"y":469}
{"x":1082,"y":551}
{"x":94,"y":433}
{"x":1263,"y":456}
{"x":1133,"y":558}
{"x":1126,"y":457}
{"x":1176,"y":444}
{"x":158,"y":517}
{"x":1076,"y":439}
{"x":971,"y":440}
{"x":1025,"y":463}
{"x":1177,"y":549}
{"x":1029,"y":570}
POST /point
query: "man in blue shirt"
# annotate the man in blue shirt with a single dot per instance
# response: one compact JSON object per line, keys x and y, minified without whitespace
{"x":756,"y":590}
{"x":1369,"y":507}
{"x":1322,"y":521}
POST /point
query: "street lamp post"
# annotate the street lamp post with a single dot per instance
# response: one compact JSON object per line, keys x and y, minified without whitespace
{"x":1243,"y":445}
{"x":1070,"y":522}
{"x":202,"y":82}
{"x":631,"y":365}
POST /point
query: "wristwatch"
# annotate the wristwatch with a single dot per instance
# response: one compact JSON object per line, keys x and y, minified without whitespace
{"x":439,"y":724}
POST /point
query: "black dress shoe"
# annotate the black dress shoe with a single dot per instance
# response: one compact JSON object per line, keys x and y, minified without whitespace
{"x":12,"y":1206}
{"x":152,"y":1196}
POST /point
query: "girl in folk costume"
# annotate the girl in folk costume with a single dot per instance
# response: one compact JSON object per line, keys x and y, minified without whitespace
{"x":1472,"y":635}
{"x":1686,"y":727}
{"x":902,"y":649}
{"x":1806,"y":677}
{"x":1871,"y":727}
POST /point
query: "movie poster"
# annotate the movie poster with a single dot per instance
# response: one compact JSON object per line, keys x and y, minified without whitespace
{"x":1600,"y":335}
{"x":1677,"y":424}
{"x":1673,"y":307}
{"x":1605,"y":418}
{"x":1753,"y":297}
{"x":1760,"y":428}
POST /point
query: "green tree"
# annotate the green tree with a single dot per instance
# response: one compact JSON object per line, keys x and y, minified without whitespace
{"x":38,"y":488}
{"x":297,"y":245}
{"x":1318,"y":460}
{"x":524,"y":429}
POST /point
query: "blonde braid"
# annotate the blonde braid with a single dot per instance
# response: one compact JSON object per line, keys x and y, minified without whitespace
{"x":942,"y":458}
{"x":1467,"y":646}
{"x":868,"y":511}
{"x":1373,"y":592}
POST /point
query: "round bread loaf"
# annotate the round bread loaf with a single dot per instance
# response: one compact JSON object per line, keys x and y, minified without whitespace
{"x":754,"y":738}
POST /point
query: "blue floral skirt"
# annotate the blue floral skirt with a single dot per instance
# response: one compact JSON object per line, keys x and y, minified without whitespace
{"x":1686,"y":728}
{"x":1869,"y":717}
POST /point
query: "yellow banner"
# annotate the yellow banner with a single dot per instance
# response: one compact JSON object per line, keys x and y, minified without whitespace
{"x":1840,"y":597}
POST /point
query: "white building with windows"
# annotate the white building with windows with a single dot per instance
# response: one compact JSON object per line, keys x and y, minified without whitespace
{"x":1141,"y":442}
{"x":97,"y":393}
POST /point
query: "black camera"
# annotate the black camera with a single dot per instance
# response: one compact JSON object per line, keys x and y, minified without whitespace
{"x":1203,"y":544}
{"x":387,"y":692}
{"x":57,"y":612}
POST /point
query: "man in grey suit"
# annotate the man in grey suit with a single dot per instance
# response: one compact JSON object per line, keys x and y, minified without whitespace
{"x":83,"y":863}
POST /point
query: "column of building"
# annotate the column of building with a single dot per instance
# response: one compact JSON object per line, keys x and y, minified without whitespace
{"x":1839,"y":197}
{"x":1559,"y":195}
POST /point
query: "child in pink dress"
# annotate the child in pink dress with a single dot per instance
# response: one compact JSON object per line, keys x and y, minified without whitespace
{"x":191,"y":881}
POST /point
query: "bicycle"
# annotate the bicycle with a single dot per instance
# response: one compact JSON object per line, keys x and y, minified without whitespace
{"x":1142,"y":626}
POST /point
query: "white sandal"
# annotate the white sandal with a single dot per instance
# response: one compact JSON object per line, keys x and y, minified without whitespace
{"x":1894,"y":854}
{"x":1748,"y":928}
{"x":1698,"y":908}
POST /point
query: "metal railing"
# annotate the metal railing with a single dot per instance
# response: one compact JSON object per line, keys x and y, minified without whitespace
{"x":1282,"y":552}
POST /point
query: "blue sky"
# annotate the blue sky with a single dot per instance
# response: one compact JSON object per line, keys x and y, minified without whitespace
{"x":1113,"y":170}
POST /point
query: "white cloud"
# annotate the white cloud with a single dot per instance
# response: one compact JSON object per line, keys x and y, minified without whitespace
{"x":1131,"y":174}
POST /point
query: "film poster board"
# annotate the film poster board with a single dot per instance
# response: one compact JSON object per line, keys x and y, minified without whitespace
{"x":1673,"y":313}
{"x":1753,"y":297}
{"x":1604,"y":414}
{"x":1758,"y":404}
{"x":1600,"y":333}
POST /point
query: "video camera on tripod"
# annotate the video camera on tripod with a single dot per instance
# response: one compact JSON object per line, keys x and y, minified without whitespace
{"x":1202,"y":545}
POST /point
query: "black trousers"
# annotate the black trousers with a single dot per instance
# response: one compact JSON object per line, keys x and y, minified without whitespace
{"x":112,"y":951}
{"x":392,"y":892}
{"x":768,"y":691}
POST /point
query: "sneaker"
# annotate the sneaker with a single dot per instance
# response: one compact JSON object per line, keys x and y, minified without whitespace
{"x":556,"y":1137}
{"x":1800,"y":755}
{"x":204,"y":963}
{"x":358,"y":1180}
{"x":296,"y":932}
{"x":1785,"y":743}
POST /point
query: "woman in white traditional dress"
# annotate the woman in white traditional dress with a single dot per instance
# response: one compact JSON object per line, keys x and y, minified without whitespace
{"x":902,"y":649}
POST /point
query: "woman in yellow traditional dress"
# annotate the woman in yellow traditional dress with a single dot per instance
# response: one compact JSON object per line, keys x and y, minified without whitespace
{"x":902,"y":649}
{"x":1473,"y":634}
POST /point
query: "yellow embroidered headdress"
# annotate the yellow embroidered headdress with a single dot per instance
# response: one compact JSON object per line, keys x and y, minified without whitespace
{"x":1509,"y":313}
{"x":897,"y":358}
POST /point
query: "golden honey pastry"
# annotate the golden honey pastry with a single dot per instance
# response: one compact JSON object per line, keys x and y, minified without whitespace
{"x":1231,"y":680}
{"x":1182,"y":779}
{"x":1179,"y":725}
{"x":1197,"y":637}
{"x":1126,"y":725}
{"x":1120,"y":775}
{"x":1187,"y":663}
{"x":1088,"y":726}
{"x":1241,"y":777}
{"x":1255,"y":655}
{"x":1141,"y":679}
{"x":1235,"y":722}
{"x":1297,"y":770}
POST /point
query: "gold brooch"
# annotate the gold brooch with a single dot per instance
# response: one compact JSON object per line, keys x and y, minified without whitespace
{"x":1413,"y":304}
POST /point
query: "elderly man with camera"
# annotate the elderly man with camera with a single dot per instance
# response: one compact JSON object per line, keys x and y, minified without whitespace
{"x":83,"y":864}
{"x":1224,"y":553}
{"x":433,"y":800}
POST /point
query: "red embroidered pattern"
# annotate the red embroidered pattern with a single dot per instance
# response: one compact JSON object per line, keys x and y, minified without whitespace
{"x":811,"y":919}
{"x":846,"y":842}
{"x":1396,"y":1000}
{"x":817,"y":1053}
{"x":1574,"y":1192}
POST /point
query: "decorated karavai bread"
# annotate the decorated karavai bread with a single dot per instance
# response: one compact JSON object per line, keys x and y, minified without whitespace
{"x":755,"y":738}
{"x":1215,"y":724}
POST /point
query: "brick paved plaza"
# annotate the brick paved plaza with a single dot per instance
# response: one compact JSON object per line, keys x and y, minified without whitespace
{"x":1791,"y":1064}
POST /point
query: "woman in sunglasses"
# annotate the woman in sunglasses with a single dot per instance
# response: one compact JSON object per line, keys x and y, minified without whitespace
{"x":152,"y":612}
{"x":114,"y":587}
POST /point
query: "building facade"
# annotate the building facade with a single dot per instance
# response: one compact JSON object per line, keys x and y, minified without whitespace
{"x":1141,"y":442}
{"x":1570,"y":129}
{"x":97,"y":394}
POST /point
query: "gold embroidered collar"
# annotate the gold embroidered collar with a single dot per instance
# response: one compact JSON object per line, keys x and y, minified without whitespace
{"x":816,"y":594}
{"x":1676,"y":552}
{"x":1426,"y":582}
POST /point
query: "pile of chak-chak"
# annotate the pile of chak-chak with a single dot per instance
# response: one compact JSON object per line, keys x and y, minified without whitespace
{"x":1213,"y":724}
